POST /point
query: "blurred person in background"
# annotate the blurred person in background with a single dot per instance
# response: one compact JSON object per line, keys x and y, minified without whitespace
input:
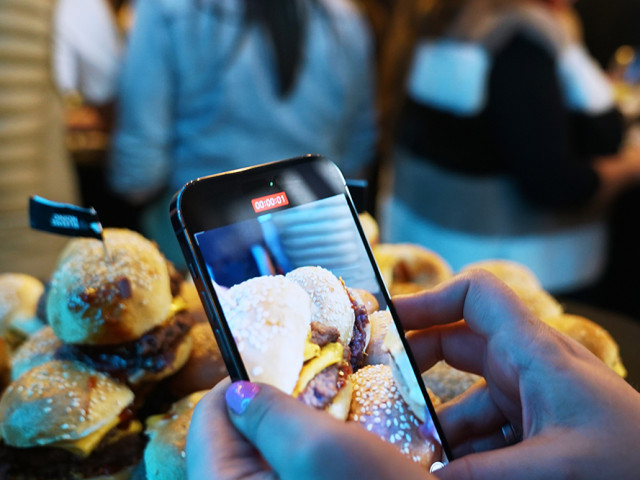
{"x":48,"y":49}
{"x":509,"y":143}
{"x":215,"y":85}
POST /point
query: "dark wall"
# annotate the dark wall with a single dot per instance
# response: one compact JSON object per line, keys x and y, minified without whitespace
{"x":609,"y":24}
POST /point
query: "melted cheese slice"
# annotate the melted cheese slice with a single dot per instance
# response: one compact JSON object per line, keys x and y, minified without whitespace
{"x":311,"y":350}
{"x":84,"y":446}
{"x":329,"y":354}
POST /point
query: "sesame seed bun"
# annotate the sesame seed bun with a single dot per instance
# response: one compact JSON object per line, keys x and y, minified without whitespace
{"x":370,"y":227}
{"x":98,"y":302}
{"x":410,"y":268}
{"x":59,"y":401}
{"x":366,"y":298}
{"x":447,"y":382}
{"x":204,"y":367}
{"x":331,"y":303}
{"x":403,"y":374}
{"x":594,"y":337}
{"x":524,"y":283}
{"x":164,"y":456}
{"x":378,"y":406}
{"x":270,"y":319}
{"x":386,"y":348}
{"x":189,"y":293}
{"x":341,"y":404}
{"x":514,"y":274}
{"x":40,"y":348}
{"x":19,"y":295}
{"x":380,"y":322}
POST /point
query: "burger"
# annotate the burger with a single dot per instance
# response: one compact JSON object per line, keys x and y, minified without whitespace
{"x":447,"y":382}
{"x":112,"y":306}
{"x":39,"y":348}
{"x":19,"y":296}
{"x":204,"y":368}
{"x":386,"y":348}
{"x":340,"y":332}
{"x":269,"y":318}
{"x":524,"y":283}
{"x":378,"y":406}
{"x":164,"y":455}
{"x":410,"y":268}
{"x":298,"y":332}
{"x":592,"y":336}
{"x":74,"y":420}
{"x":336,"y":306}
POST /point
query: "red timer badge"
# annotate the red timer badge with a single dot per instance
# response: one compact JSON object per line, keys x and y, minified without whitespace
{"x":268,"y":202}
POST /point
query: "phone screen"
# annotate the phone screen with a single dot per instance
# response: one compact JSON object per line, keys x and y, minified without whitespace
{"x":294,"y":292}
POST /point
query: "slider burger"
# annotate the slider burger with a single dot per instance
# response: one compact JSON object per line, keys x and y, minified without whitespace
{"x":386,"y":348}
{"x":41,"y":347}
{"x":19,"y":296}
{"x":340,"y":332}
{"x":269,"y":318}
{"x":378,"y":405}
{"x":524,"y":283}
{"x":164,"y":455}
{"x":592,"y":336}
{"x":113,"y":308}
{"x":205,"y":367}
{"x":335,"y":306}
{"x":64,"y":420}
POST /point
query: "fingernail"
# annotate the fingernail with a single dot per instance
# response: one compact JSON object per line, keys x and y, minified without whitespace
{"x":239,"y":395}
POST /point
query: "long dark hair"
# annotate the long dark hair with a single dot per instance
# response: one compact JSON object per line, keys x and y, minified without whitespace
{"x":284,"y":22}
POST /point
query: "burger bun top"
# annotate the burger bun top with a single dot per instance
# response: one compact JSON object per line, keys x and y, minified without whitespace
{"x":270,"y":318}
{"x":59,"y":401}
{"x":164,"y":455}
{"x":331,"y":304}
{"x":19,"y":295}
{"x":98,"y":301}
{"x":378,"y":406}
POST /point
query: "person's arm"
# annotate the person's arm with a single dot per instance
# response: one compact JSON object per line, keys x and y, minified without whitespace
{"x":140,"y":163}
{"x":546,"y":152}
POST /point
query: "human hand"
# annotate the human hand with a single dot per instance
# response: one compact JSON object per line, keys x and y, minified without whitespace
{"x":277,"y":436}
{"x":577,"y":417}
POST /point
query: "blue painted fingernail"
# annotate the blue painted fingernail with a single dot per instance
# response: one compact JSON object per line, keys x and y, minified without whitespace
{"x":239,"y":395}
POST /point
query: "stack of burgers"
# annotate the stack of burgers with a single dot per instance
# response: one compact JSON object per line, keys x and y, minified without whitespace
{"x":118,"y":333}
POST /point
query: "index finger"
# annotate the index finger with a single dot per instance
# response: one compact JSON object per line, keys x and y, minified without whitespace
{"x":487,"y":305}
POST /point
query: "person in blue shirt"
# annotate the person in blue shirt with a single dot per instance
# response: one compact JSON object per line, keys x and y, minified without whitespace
{"x":215,"y":85}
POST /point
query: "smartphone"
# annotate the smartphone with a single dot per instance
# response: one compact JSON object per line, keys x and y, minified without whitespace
{"x":295,"y":299}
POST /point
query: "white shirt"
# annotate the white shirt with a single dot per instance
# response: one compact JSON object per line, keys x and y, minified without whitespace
{"x":86,"y":50}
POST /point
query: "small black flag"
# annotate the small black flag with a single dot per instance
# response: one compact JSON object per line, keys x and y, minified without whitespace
{"x":64,"y":219}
